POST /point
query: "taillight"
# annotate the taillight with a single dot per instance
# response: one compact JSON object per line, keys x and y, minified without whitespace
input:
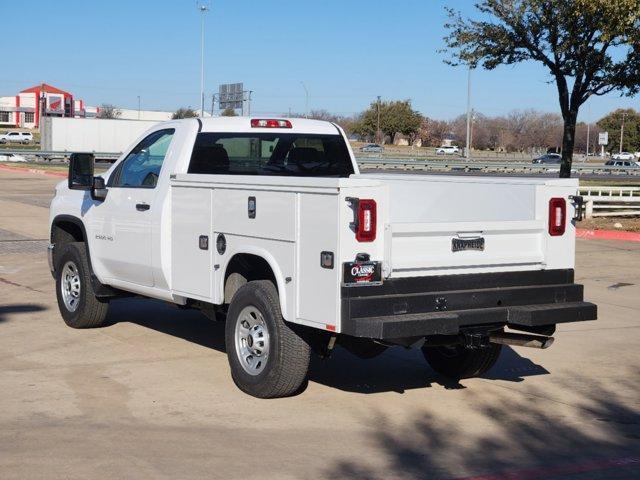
{"x":367,"y":219}
{"x":270,"y":123}
{"x":557,"y":216}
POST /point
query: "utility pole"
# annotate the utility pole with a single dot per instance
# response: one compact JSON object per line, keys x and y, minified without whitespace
{"x":203,"y":8}
{"x":249,"y":102}
{"x":468,"y":149}
{"x":588,"y":131}
{"x":138,"y":107}
{"x":306,"y":93}
{"x":378,"y":127}
{"x":624,"y":114}
{"x":473,"y":121}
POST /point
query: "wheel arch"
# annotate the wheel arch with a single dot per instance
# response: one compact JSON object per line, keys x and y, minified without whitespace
{"x":70,"y":224}
{"x":253,"y":263}
{"x":75,"y":231}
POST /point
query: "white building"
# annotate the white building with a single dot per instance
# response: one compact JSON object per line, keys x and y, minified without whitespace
{"x":24,"y":109}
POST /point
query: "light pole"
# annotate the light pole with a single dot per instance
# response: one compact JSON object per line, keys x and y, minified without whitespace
{"x":467,"y":150}
{"x":203,"y":8}
{"x":138,"y":107}
{"x":624,"y":114}
{"x":378,"y":127}
{"x":306,"y":93}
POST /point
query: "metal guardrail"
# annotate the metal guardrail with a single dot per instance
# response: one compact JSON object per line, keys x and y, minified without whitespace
{"x":383,"y":163}
{"x":489,"y":167}
{"x":49,"y":154}
{"x":607,"y":201}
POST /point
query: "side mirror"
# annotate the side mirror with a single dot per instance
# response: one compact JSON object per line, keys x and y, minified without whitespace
{"x":99,"y":189}
{"x":81,"y":171}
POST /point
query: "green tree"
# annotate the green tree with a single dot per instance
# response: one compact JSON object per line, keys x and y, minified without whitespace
{"x":106,"y":110}
{"x":229,"y":112}
{"x":612,"y":123}
{"x":395,"y":117}
{"x":184,"y":113}
{"x":590,"y":47}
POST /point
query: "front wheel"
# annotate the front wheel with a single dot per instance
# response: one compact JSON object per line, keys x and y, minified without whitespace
{"x":78,"y":305}
{"x":458,"y":362}
{"x":267,"y":358}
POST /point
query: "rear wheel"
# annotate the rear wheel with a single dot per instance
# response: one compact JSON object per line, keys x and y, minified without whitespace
{"x":459,"y":362}
{"x":267,"y":358}
{"x":78,"y":305}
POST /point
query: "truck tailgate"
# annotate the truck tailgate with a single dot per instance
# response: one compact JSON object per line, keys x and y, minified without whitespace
{"x":442,"y":225}
{"x":424,"y":247}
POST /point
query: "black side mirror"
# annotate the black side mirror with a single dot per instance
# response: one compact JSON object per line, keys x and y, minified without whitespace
{"x":99,"y":189}
{"x":81,"y":171}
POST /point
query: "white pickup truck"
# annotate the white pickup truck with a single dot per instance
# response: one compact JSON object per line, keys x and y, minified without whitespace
{"x":269,"y":225}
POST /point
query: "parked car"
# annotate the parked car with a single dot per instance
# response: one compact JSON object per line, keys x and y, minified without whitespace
{"x":448,"y":150}
{"x":622,"y":164}
{"x":12,"y":157}
{"x":372,"y":148}
{"x":548,"y":158}
{"x":624,"y":156}
{"x":269,"y":225}
{"x":16,"y":137}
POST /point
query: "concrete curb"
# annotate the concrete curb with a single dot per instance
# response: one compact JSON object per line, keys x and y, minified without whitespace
{"x":608,"y":235}
{"x":39,"y":171}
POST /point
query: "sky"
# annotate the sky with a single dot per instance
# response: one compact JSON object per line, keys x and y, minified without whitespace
{"x":345,"y":51}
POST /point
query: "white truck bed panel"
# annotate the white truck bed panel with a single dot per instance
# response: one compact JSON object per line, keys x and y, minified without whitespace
{"x":192,"y":266}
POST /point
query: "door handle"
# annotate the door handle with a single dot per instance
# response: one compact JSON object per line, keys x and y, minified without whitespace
{"x":142,"y":207}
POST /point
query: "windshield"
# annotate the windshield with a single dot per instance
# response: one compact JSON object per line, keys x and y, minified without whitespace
{"x":289,"y":154}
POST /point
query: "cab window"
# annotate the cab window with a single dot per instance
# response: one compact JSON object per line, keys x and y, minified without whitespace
{"x":278,"y":153}
{"x":141,"y":168}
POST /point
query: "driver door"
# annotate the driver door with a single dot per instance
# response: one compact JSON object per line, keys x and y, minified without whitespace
{"x":121,"y":225}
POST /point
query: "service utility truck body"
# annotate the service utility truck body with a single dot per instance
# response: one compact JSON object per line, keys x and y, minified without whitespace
{"x":269,"y":225}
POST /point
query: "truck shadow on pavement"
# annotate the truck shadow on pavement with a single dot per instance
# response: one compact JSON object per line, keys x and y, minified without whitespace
{"x":190,"y":325}
{"x":572,"y":428}
{"x":397,"y":370}
{"x":6,"y":310}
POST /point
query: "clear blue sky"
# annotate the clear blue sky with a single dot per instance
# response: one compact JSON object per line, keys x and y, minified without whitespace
{"x":346,"y":52}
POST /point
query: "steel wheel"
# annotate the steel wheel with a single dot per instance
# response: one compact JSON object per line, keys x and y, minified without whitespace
{"x":70,"y":286}
{"x":252,"y":340}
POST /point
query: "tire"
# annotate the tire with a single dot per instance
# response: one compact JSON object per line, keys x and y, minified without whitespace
{"x":458,"y":362}
{"x":78,"y":305}
{"x":271,"y":368}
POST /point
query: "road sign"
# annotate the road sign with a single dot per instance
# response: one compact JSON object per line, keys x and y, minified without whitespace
{"x":603,"y":138}
{"x":231,"y":95}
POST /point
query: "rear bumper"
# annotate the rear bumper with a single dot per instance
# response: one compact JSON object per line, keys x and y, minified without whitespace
{"x":443,"y":305}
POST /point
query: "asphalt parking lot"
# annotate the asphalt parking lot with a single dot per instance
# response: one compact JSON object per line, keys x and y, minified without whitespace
{"x":150,"y":396}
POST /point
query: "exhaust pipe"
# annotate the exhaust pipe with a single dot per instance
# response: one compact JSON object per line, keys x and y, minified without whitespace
{"x":521,"y":340}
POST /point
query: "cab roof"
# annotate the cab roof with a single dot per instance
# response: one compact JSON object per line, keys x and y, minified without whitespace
{"x":243,"y":124}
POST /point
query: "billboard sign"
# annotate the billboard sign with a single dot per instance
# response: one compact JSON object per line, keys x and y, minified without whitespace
{"x":603,"y":138}
{"x":231,"y":95}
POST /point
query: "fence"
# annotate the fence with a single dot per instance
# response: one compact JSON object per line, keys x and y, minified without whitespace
{"x":602,"y":201}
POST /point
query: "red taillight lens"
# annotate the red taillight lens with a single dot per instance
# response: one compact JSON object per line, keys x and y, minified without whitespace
{"x":270,"y":123}
{"x":557,"y":216}
{"x":367,"y":219}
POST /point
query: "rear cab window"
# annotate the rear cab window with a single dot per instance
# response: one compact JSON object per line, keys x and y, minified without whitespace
{"x":278,"y":153}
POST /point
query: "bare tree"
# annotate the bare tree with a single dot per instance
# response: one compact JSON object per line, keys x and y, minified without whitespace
{"x":107,"y":110}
